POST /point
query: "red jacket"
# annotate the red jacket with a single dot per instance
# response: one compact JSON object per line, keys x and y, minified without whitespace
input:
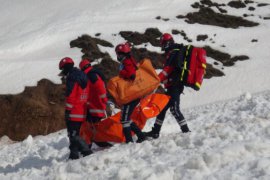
{"x":97,"y":98}
{"x":76,"y":95}
{"x":128,"y":68}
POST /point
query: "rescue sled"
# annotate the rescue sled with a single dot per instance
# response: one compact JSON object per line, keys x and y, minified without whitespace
{"x":110,"y":129}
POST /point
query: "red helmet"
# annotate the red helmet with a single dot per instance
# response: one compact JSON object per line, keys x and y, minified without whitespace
{"x":64,"y":61}
{"x":84,"y":64}
{"x":166,"y":40}
{"x":123,"y":48}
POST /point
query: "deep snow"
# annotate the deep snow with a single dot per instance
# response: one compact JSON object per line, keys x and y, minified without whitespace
{"x":229,"y":140}
{"x":229,"y":117}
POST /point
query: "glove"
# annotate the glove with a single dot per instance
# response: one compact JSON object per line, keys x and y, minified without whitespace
{"x":110,"y":104}
{"x":109,"y":108}
{"x":132,"y":77}
{"x":92,"y":119}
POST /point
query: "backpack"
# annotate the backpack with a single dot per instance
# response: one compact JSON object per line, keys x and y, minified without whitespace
{"x":193,"y":66}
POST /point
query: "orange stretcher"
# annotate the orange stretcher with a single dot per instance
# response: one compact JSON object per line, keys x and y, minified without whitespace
{"x":110,"y":129}
{"x":125,"y":91}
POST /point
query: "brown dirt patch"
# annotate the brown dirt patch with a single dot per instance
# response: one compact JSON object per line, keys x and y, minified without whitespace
{"x":150,"y":35}
{"x":108,"y":67}
{"x":208,"y":3}
{"x":248,"y":1}
{"x":223,"y":57}
{"x":89,"y":46}
{"x":37,"y":111}
{"x":209,"y":17}
{"x":237,"y":4}
{"x":262,"y":4}
{"x":160,"y":18}
{"x":182,"y":33}
{"x":155,"y":57}
{"x":202,"y":37}
{"x":212,"y":72}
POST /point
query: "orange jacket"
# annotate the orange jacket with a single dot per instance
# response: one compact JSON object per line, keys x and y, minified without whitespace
{"x":76,"y":95}
{"x":97,"y":98}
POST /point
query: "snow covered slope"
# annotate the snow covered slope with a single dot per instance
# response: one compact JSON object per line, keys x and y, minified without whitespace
{"x":35,"y":34}
{"x":229,"y":140}
{"x":229,"y":117}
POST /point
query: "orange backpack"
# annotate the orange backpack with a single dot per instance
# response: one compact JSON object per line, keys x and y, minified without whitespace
{"x":125,"y":91}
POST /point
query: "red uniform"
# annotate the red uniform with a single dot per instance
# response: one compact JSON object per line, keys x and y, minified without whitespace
{"x":128,"y":68}
{"x":170,"y":74}
{"x":97,"y":98}
{"x":76,"y":96}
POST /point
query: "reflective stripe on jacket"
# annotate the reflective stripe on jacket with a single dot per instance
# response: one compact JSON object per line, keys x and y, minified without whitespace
{"x":170,"y":74}
{"x":77,"y":95}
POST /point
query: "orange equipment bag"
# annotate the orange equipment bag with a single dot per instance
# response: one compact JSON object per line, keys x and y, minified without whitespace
{"x":110,"y":129}
{"x":125,"y":91}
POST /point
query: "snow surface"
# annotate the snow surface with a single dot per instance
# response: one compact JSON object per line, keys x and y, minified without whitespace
{"x":229,"y":117}
{"x":229,"y":140}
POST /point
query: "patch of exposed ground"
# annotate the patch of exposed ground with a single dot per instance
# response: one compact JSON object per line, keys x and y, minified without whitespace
{"x":150,"y":35}
{"x":262,"y":4}
{"x":208,"y":16}
{"x":182,"y":33}
{"x":223,"y":57}
{"x":212,"y":72}
{"x":209,"y":4}
{"x":202,"y":37}
{"x":237,"y":4}
{"x":37,"y":111}
{"x":160,"y":18}
{"x":155,"y":57}
{"x":89,"y":46}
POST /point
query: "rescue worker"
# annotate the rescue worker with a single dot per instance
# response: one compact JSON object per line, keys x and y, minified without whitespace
{"x":127,"y":71}
{"x":170,"y":76}
{"x":76,"y":97}
{"x":97,"y":98}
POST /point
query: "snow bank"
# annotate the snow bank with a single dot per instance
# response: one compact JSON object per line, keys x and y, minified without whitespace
{"x":226,"y":137}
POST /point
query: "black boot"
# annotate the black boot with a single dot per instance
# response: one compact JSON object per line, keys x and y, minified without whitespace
{"x":74,"y":152}
{"x":103,"y":144}
{"x":154,"y":133}
{"x":82,"y":146}
{"x":127,"y":133}
{"x":73,"y":155}
{"x":87,"y":152}
{"x":151,"y":134}
{"x":185,"y":128}
{"x":138,"y":132}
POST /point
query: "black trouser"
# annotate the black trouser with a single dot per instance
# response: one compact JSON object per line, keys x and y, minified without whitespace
{"x":128,"y":125}
{"x":77,"y":144}
{"x":174,"y":105}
